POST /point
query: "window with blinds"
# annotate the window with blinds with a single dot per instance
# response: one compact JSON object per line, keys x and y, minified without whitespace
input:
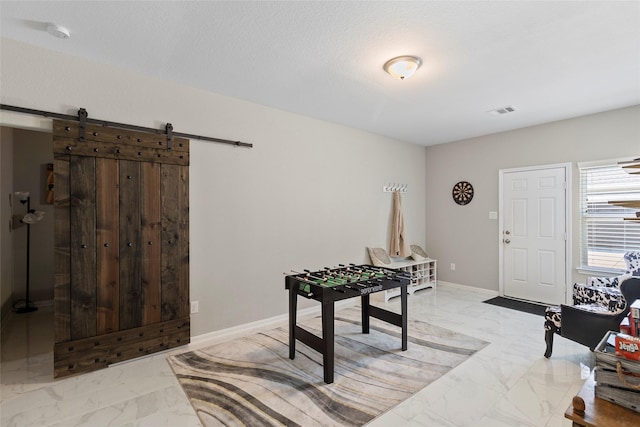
{"x":606,"y":236}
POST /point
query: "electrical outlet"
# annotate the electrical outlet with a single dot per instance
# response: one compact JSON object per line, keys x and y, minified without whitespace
{"x":194,"y":307}
{"x":453,"y":266}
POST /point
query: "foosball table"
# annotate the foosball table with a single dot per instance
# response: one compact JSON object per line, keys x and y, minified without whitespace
{"x":335,"y":284}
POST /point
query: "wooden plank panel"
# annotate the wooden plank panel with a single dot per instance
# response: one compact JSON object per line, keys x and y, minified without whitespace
{"x":170,"y":251}
{"x":119,"y":143}
{"x":130,"y":251}
{"x":77,"y":363}
{"x":82,"y":216}
{"x":108,"y":267}
{"x":128,"y":336}
{"x":183,"y":240}
{"x":70,"y":130}
{"x":117,"y":194}
{"x":62,"y":259}
{"x":89,"y":354}
{"x":150,"y":229}
{"x":119,"y":151}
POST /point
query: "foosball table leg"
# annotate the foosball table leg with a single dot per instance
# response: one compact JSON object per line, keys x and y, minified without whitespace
{"x":403,"y":303}
{"x":328,"y":339}
{"x":365,"y":313}
{"x":293,"y":307}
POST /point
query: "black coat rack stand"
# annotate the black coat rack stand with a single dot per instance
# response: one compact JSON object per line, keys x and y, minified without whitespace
{"x":28,"y":306}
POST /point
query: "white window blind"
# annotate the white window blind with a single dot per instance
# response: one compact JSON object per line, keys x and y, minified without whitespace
{"x":606,"y":236}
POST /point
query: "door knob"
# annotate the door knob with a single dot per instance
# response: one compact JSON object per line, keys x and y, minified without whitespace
{"x":507,"y":241}
{"x":507,"y":232}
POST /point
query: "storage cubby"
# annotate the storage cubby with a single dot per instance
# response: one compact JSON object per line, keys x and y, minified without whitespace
{"x":423,"y":275}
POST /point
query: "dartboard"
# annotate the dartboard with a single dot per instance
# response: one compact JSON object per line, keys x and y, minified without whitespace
{"x":462,"y":193}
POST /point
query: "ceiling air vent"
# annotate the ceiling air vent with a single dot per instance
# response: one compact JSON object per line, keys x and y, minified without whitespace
{"x":502,"y":111}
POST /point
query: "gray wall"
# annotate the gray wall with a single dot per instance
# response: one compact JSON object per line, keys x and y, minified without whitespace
{"x":308,"y":195}
{"x":463,"y":234}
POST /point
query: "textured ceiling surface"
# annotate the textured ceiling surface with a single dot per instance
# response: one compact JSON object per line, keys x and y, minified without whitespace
{"x":550,"y":60}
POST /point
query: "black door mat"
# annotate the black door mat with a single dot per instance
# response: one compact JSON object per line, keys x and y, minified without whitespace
{"x":514,"y":304}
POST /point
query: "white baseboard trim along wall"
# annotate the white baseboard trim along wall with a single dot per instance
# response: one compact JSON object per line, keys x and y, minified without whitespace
{"x":222,"y":335}
{"x":469,"y":288}
{"x":216,"y":337}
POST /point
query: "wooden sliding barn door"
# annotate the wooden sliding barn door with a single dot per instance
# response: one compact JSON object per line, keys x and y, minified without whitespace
{"x":121,"y":245}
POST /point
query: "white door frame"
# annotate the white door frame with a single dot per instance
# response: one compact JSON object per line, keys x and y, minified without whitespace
{"x":568,"y":213}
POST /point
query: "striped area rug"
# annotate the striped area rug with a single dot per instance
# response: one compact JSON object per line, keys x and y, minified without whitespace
{"x":251,"y":381}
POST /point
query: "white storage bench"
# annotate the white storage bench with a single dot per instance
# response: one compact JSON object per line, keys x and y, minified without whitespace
{"x":423,"y":270}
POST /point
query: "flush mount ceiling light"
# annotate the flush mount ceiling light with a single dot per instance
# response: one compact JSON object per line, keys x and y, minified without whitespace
{"x":58,"y":31}
{"x":402,"y":67}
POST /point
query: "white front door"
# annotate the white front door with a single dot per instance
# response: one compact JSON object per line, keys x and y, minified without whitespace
{"x":534,"y":236}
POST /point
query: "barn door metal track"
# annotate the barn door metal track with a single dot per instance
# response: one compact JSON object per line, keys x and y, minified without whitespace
{"x":83,"y":118}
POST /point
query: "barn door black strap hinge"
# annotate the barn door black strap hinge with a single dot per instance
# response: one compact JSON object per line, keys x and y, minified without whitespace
{"x":82,"y":118}
{"x":169,"y":129}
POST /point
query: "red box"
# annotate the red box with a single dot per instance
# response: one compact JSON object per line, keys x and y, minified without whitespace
{"x":628,"y":346}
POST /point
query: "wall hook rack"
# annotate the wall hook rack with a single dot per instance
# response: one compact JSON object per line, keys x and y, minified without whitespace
{"x":392,"y":187}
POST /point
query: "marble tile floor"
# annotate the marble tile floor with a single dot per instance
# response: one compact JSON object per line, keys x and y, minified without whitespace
{"x":508,"y":383}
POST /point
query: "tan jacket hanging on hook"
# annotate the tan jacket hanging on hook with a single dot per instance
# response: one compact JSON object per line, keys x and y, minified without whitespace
{"x":398,"y":246}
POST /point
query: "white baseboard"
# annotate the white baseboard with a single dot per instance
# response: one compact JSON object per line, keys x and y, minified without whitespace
{"x":468,"y":288}
{"x":234,"y":332}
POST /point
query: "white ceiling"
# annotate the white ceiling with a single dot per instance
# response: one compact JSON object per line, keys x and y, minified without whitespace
{"x":551,"y":60}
